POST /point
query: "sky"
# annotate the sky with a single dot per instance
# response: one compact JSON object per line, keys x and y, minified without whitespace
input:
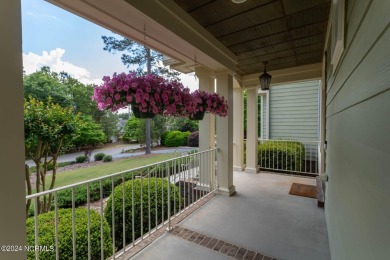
{"x":65,"y":42}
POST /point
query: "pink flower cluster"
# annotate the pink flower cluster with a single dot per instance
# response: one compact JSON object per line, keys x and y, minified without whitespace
{"x":153,"y":93}
{"x":208,"y":102}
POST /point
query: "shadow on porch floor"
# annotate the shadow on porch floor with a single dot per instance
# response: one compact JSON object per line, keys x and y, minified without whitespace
{"x":261,"y":217}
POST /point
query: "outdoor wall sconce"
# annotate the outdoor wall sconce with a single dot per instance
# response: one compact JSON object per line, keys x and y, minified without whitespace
{"x":238,"y":1}
{"x":265,"y":78}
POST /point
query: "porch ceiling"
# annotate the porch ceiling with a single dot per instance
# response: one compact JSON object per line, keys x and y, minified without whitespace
{"x":220,"y":34}
{"x":287,"y":33}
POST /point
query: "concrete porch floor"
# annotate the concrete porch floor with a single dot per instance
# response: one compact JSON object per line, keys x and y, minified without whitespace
{"x":262,"y":217}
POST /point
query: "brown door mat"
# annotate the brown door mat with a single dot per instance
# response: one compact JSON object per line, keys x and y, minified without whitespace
{"x":303,"y":190}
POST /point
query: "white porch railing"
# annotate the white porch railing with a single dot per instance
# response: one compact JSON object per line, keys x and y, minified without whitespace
{"x":144,"y":203}
{"x":290,"y":156}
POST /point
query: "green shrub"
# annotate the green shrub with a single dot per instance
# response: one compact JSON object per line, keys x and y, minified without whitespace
{"x":107,"y":158}
{"x":163,"y":137}
{"x":177,"y":138}
{"x":193,"y":139}
{"x":81,"y":158}
{"x":80,"y":192}
{"x":46,"y":234}
{"x":99,"y":156}
{"x":281,"y":155}
{"x":157,"y":185}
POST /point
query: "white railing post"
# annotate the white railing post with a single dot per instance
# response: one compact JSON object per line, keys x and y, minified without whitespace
{"x":88,"y":223}
{"x":113,"y":216}
{"x":56,"y":224}
{"x":169,"y":197}
{"x":36,"y":225}
{"x":123,"y":214}
{"x":73,"y":225}
{"x":101,"y":221}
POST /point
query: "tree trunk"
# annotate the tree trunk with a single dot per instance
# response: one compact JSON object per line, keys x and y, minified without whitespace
{"x":54,"y":173}
{"x":44,"y":171}
{"x":37,"y":161}
{"x":148,"y":149}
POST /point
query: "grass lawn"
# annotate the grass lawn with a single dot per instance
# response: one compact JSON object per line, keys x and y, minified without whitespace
{"x":82,"y":174}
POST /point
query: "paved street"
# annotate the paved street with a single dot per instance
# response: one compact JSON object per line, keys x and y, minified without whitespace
{"x":116,"y":152}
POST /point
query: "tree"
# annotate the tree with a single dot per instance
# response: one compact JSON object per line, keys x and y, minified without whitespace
{"x":135,"y":128}
{"x":88,"y":133}
{"x":47,"y":127}
{"x":43,"y":84}
{"x":132,"y":129}
{"x":80,"y":95}
{"x":137,"y":54}
{"x":68,"y":92}
{"x":109,"y":122}
{"x":184,"y":125}
{"x":124,"y":116}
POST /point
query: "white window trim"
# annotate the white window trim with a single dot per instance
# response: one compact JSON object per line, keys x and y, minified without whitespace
{"x":337,"y":27}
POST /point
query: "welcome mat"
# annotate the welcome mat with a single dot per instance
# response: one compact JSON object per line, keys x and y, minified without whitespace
{"x":303,"y":190}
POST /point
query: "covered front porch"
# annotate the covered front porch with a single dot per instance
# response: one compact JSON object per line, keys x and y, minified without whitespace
{"x":261,"y":218}
{"x":348,"y":52}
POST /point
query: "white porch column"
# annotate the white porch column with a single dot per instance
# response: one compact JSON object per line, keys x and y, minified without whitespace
{"x":225,"y":138}
{"x":12,"y":185}
{"x":251,"y":131}
{"x":238,"y":128}
{"x":206,"y":79}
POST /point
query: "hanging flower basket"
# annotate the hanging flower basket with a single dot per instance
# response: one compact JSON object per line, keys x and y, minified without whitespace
{"x":197,"y":116}
{"x":139,"y":114}
{"x":152,"y":95}
{"x":203,"y":101}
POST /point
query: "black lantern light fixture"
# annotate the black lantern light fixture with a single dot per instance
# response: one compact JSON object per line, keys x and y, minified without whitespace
{"x":265,"y":78}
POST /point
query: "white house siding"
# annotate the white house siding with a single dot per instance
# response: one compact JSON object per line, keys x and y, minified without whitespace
{"x":358,"y":136}
{"x":294,"y":113}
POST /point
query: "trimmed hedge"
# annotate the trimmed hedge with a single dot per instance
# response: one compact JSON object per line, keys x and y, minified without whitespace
{"x":281,"y":155}
{"x":176,"y":138}
{"x":99,"y":156}
{"x":46,"y":235}
{"x":163,"y":137}
{"x":193,"y":139}
{"x":107,"y":158}
{"x":65,"y":196}
{"x":81,"y":159}
{"x":156,"y":184}
{"x":80,"y":192}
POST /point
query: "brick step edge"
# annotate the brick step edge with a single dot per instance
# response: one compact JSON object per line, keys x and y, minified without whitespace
{"x":226,"y":248}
